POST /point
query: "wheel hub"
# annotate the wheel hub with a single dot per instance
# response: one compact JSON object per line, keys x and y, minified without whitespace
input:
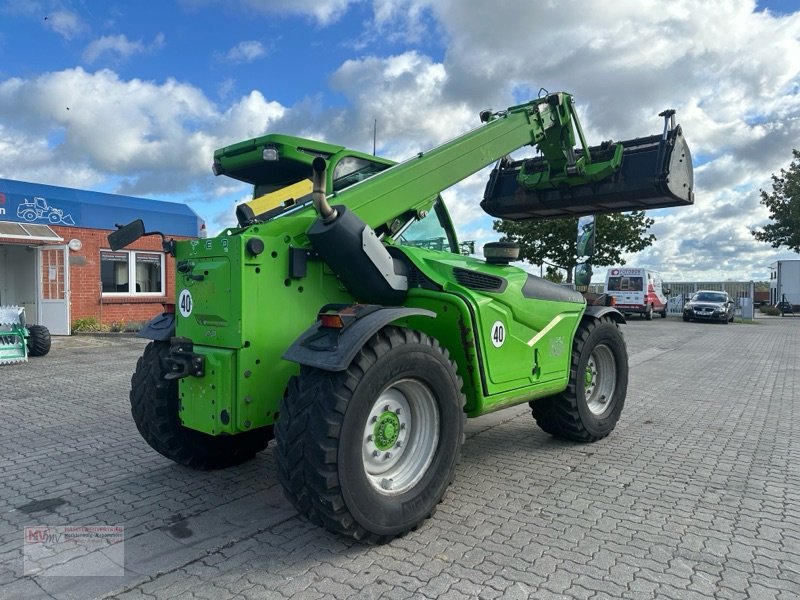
{"x":386,"y":430}
{"x":400,"y":436}
{"x":599,"y":380}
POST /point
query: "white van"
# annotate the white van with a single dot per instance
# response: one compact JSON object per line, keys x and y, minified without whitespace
{"x":636,"y":290}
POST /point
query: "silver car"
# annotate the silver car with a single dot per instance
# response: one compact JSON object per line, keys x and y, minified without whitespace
{"x":709,"y":305}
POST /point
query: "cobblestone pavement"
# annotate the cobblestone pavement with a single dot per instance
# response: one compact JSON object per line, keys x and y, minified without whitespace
{"x":696,"y":494}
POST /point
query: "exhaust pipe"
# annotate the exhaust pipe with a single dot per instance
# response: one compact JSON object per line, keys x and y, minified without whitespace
{"x":318,"y":196}
{"x":353,"y":251}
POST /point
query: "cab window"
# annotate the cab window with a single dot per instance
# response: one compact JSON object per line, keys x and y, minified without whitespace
{"x":351,"y":169}
{"x":432,"y":231}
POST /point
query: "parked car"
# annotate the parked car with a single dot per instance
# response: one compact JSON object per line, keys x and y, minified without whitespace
{"x":709,"y":305}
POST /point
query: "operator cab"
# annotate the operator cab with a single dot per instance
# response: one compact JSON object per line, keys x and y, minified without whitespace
{"x":279,"y":169}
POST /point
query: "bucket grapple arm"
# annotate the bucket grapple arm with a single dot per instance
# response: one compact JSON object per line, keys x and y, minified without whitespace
{"x":13,"y":345}
{"x":637,"y":174}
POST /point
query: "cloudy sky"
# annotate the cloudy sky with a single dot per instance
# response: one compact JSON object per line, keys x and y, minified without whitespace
{"x":133,"y":97}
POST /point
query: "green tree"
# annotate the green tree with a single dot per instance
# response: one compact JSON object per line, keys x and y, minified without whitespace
{"x":554,"y":275}
{"x":784,"y":208}
{"x":553,"y":242}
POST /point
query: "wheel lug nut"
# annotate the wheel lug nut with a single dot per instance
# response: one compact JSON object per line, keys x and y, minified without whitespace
{"x":397,"y":412}
{"x":386,"y":483}
{"x":369,"y":438}
{"x":402,"y":425}
{"x":387,"y":456}
{"x":375,"y":453}
{"x":386,"y":408}
{"x":373,"y":420}
{"x":397,"y":445}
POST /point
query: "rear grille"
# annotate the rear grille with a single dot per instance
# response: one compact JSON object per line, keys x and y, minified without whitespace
{"x":479,"y":281}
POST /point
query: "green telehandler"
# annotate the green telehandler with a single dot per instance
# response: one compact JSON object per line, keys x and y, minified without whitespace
{"x":329,"y":320}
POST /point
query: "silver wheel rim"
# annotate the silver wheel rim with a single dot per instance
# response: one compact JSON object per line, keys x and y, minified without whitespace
{"x":600,"y":379}
{"x":400,"y":436}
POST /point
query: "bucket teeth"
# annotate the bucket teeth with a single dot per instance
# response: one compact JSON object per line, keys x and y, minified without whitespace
{"x":11,"y":315}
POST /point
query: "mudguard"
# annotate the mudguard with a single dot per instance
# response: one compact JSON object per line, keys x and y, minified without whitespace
{"x":160,"y":328}
{"x":598,"y":312}
{"x":349,"y":341}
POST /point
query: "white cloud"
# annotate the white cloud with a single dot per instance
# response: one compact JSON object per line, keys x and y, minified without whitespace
{"x":153,"y":138}
{"x":732,"y":74}
{"x":65,"y":23}
{"x":119,"y":47}
{"x":324,"y":12}
{"x":245,"y":52}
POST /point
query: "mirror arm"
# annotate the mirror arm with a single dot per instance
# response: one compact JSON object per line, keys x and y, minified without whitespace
{"x":168,"y":245}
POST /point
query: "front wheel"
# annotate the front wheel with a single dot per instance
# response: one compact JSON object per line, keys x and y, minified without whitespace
{"x":369,"y":452}
{"x":588,"y":410}
{"x":648,"y":313}
{"x":154,"y":406}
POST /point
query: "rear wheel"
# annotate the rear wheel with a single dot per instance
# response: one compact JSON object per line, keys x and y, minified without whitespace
{"x":648,"y":313}
{"x":590,"y":407}
{"x":38,"y":340}
{"x":664,"y":313}
{"x":369,"y":452}
{"x":154,"y":406}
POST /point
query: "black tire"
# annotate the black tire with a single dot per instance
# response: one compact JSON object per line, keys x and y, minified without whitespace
{"x":648,"y":313}
{"x":154,"y":406}
{"x":686,"y":319}
{"x":580,"y":414}
{"x":664,"y":314}
{"x":38,"y":340}
{"x":326,"y":440}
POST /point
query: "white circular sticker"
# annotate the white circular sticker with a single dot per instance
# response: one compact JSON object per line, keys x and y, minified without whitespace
{"x":185,"y":303}
{"x":498,"y":334}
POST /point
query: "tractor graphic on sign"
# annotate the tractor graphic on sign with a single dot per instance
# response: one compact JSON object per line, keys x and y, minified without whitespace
{"x":39,"y":209}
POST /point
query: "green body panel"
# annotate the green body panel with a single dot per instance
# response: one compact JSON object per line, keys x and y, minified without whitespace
{"x":246,"y":312}
{"x":533,"y":359}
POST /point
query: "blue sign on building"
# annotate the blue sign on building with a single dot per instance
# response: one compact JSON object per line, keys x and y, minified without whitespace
{"x":24,"y":202}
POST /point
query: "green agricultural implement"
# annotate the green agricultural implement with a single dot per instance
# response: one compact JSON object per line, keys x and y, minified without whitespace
{"x":19,"y":341}
{"x":340,"y":318}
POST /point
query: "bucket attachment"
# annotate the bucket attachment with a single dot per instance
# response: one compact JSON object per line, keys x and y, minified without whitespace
{"x":655,"y":172}
{"x":13,"y":344}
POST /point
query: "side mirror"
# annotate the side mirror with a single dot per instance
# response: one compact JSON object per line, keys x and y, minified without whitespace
{"x":585,"y":241}
{"x":583,"y":275}
{"x":126,"y":234}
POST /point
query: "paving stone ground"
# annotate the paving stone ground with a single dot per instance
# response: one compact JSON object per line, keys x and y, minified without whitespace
{"x":696,"y":494}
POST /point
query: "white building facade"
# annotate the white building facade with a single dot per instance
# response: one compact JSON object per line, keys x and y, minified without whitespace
{"x":784,"y":280}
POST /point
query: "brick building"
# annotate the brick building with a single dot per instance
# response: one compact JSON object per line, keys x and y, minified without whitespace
{"x":55,"y":260}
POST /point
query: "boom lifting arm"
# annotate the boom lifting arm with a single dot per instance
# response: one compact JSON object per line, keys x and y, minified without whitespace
{"x":630,"y":175}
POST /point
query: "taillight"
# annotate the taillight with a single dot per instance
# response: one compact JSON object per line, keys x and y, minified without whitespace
{"x":333,"y":321}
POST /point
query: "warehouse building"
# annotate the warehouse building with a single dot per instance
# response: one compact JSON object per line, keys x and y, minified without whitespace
{"x":55,"y":260}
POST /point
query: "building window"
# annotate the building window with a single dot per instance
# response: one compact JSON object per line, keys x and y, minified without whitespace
{"x":144,"y":269}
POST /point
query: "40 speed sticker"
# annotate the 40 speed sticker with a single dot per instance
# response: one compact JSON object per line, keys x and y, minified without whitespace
{"x":185,"y":303}
{"x":498,"y":334}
